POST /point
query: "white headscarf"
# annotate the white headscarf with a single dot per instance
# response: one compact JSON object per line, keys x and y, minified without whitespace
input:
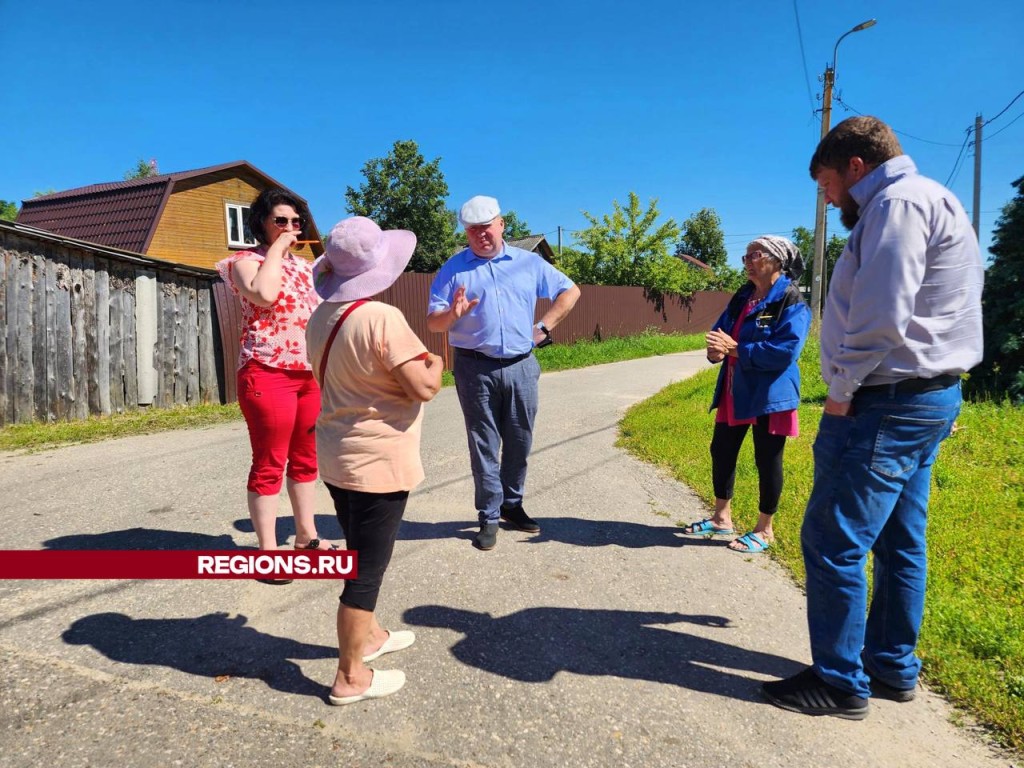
{"x":784,"y":251}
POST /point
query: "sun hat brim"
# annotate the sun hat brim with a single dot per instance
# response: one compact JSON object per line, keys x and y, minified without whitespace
{"x":330,"y":286}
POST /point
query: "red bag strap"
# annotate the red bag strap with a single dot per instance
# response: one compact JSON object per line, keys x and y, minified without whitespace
{"x":334,"y":332}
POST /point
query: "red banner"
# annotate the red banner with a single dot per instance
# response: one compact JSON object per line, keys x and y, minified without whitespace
{"x":180,"y":564}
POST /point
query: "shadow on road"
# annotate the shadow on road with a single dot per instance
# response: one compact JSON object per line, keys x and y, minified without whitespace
{"x":326,"y":525}
{"x":141,"y":538}
{"x":207,"y":646}
{"x":569,"y":530}
{"x":534,"y":644}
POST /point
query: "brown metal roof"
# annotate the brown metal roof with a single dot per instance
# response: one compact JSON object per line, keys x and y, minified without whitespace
{"x":118,"y":215}
{"x":121,"y":214}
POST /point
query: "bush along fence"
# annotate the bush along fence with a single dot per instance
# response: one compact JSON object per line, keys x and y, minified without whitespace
{"x":90,"y":330}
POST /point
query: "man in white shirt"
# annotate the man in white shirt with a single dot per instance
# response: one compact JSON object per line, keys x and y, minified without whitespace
{"x":901,"y":323}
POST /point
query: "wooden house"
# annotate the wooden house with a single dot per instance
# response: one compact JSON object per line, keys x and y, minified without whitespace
{"x":191,"y":217}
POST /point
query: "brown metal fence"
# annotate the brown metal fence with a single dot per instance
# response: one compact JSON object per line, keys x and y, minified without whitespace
{"x":90,"y":330}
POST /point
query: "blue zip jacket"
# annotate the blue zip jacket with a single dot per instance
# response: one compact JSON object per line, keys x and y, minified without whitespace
{"x":766,"y":378}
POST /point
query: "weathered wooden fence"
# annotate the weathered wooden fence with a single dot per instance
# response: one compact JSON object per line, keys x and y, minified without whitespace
{"x":90,"y":330}
{"x":86,"y":329}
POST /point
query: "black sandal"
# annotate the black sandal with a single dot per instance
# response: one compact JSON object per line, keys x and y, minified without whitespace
{"x":315,"y":544}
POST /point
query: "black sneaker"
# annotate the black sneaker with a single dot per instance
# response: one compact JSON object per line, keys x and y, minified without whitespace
{"x":487,"y":538}
{"x":880,"y":690}
{"x":808,"y":694}
{"x":516,"y":517}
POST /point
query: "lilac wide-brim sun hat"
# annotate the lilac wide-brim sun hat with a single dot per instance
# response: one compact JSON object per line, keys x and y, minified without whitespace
{"x":360,"y":260}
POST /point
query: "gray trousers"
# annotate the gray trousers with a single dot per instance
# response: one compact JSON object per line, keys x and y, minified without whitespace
{"x":499,"y":404}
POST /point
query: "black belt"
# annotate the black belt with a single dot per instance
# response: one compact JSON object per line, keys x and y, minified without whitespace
{"x":914,"y":386}
{"x":499,"y":360}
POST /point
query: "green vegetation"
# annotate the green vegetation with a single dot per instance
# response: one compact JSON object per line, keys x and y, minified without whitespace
{"x":1002,"y":371}
{"x":403,"y":191}
{"x":40,"y":436}
{"x":8,"y":210}
{"x":630,"y":247}
{"x":972,"y":642}
{"x":585,"y":353}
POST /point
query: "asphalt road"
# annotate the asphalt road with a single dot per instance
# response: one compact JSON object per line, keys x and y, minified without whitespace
{"x":606,"y":640}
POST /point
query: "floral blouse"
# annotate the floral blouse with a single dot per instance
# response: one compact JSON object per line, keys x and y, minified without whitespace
{"x":276,"y":335}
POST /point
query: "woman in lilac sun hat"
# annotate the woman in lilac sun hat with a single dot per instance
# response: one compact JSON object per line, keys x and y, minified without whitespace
{"x":374,"y":374}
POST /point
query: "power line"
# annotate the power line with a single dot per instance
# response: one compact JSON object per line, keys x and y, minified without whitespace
{"x":1003,"y":110}
{"x":959,"y":155}
{"x":991,"y":135}
{"x":901,"y":133}
{"x":803,"y":57}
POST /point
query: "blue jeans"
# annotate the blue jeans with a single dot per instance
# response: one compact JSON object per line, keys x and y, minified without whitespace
{"x":499,"y":405}
{"x":872,"y":476}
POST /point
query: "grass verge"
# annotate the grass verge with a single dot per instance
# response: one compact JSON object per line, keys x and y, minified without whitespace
{"x":972,"y":641}
{"x":41,"y":436}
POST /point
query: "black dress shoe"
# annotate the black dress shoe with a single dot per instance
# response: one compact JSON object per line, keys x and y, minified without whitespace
{"x":516,"y":517}
{"x":487,"y":538}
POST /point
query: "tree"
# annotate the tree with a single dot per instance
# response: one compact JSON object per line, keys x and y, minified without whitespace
{"x":804,"y":239}
{"x":515,"y":227}
{"x":402,"y":191}
{"x":702,"y":238}
{"x":628,"y":247}
{"x":1003,"y":303}
{"x":8,"y":210}
{"x":142,"y":170}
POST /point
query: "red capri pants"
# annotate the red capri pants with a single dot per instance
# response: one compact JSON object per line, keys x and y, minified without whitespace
{"x":281,"y":408}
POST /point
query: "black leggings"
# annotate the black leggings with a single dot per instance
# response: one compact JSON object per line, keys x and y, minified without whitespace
{"x":768,"y":448}
{"x":370,"y":523}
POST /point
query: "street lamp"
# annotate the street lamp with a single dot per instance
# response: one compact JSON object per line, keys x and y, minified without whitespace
{"x":818,"y":269}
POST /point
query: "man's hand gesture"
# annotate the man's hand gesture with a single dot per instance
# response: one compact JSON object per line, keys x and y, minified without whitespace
{"x":460,"y":304}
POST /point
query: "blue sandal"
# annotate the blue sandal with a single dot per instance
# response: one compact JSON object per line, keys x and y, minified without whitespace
{"x":754,"y":544}
{"x":706,"y":528}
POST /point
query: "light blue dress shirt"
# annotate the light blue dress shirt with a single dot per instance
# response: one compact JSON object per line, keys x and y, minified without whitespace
{"x":508,"y":286}
{"x":904,"y":300}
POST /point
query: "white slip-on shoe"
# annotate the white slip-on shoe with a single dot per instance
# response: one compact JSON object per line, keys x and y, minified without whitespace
{"x":397,"y":641}
{"x":383,"y":683}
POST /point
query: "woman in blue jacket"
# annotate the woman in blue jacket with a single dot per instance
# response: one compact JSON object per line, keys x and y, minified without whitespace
{"x":759,"y":337}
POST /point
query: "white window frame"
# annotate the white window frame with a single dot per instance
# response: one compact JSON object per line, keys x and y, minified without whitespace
{"x":242,"y":212}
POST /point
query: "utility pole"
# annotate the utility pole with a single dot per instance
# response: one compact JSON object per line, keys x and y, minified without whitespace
{"x":818,"y":267}
{"x":559,"y":241}
{"x":976,"y":218}
{"x":818,"y":270}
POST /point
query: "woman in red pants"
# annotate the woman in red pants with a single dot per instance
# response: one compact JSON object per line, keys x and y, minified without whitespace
{"x":276,"y":390}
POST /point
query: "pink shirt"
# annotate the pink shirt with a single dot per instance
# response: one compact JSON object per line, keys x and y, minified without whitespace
{"x":779,"y":423}
{"x":276,"y":335}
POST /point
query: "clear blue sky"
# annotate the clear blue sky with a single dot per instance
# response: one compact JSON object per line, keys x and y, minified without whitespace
{"x":550,"y":106}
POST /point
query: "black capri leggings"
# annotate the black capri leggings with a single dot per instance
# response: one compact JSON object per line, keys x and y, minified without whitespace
{"x":370,"y":523}
{"x":768,"y":448}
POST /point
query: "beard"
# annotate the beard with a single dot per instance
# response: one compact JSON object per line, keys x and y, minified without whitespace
{"x":849,"y":212}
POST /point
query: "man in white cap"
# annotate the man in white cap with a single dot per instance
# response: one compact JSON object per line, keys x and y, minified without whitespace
{"x":485,"y":298}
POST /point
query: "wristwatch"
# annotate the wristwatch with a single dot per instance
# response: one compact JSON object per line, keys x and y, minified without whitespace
{"x":547,"y":334}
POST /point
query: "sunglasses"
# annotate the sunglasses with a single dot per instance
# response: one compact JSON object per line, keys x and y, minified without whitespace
{"x":283,"y":221}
